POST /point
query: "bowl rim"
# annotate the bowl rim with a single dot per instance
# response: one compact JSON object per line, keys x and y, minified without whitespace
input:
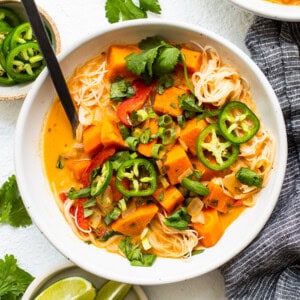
{"x":275,"y":11}
{"x":56,"y":35}
{"x":175,"y":277}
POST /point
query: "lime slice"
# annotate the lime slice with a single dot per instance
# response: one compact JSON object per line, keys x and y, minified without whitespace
{"x":113,"y":290}
{"x":71,"y":288}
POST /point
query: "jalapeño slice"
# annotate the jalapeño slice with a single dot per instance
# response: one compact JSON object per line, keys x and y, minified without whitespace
{"x":136,"y":177}
{"x":214,"y":151}
{"x":237,"y":123}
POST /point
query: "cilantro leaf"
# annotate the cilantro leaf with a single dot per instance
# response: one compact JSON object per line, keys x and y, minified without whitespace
{"x":122,"y":10}
{"x":150,"y":5}
{"x":13,"y":280}
{"x":135,"y":255}
{"x":167,"y":60}
{"x":12,"y":209}
{"x":156,"y":59}
{"x":179,"y":219}
{"x":117,"y":10}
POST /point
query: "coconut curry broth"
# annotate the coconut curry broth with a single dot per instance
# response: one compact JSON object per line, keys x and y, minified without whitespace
{"x":58,"y":132}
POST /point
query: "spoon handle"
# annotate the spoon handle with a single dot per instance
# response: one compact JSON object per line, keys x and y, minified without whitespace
{"x":51,"y":62}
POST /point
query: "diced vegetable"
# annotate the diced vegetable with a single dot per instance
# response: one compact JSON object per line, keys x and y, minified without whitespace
{"x":135,"y":223}
{"x":168,"y":198}
{"x":212,"y":230}
{"x":167,"y":103}
{"x":176,"y":163}
{"x":207,"y":174}
{"x":92,"y":139}
{"x":217,"y":198}
{"x":97,"y":161}
{"x":78,"y":167}
{"x":190,"y":133}
{"x":193,"y":59}
{"x":116,"y":64}
{"x":146,"y":149}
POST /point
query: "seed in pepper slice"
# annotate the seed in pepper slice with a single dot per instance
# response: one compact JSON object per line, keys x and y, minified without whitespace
{"x":214,"y":151}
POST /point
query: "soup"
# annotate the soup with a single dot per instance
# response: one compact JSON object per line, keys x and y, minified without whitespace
{"x":286,"y":2}
{"x":169,"y":151}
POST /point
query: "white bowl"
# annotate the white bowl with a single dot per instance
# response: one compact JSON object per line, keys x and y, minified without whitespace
{"x":270,"y":10}
{"x":37,"y":194}
{"x":68,"y":269}
{"x":19,"y":91}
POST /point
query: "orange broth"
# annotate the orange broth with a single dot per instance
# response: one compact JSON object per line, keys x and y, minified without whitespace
{"x":58,"y":132}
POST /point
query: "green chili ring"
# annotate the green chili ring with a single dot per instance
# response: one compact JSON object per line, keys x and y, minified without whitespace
{"x":214,"y":151}
{"x":9,"y":16}
{"x":25,"y":62}
{"x":237,"y":123}
{"x":141,"y":176}
{"x":101,"y":181}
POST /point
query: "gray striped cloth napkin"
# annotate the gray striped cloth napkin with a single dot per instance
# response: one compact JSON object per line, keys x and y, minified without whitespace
{"x":269,"y":268}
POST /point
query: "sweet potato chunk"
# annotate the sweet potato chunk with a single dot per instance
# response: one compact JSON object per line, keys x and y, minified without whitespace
{"x":168,"y":198}
{"x":217,"y":198}
{"x":146,"y":149}
{"x":190,"y":133}
{"x":92,"y":139}
{"x":176,"y":163}
{"x":135,"y":223}
{"x":167,"y":103}
{"x":193,"y":59}
{"x":212,"y":230}
{"x":116,"y":63}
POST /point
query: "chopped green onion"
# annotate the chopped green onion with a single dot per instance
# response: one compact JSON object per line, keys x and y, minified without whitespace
{"x":87,"y":212}
{"x":165,"y":121}
{"x":146,"y":244}
{"x":132,"y":142}
{"x":181,"y":121}
{"x":89,"y":203}
{"x":112,"y":216}
{"x":122,"y":204}
{"x":145,"y":136}
{"x":77,"y":194}
{"x":168,"y":136}
{"x":158,"y":151}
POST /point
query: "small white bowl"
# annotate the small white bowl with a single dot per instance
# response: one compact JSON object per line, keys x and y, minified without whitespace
{"x":270,"y":10}
{"x":68,"y":269}
{"x":37,"y":194}
{"x":19,"y":91}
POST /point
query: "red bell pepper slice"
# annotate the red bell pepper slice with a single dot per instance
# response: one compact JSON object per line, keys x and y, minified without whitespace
{"x":136,"y":102}
{"x":99,"y":159}
{"x":82,"y":222}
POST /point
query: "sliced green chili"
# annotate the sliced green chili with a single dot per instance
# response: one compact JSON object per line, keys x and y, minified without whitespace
{"x":214,"y":151}
{"x":136,"y":177}
{"x":237,"y":123}
{"x":102,"y":179}
{"x":195,"y":186}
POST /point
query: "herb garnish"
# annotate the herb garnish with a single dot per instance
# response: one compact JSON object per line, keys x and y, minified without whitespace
{"x":13,"y":280}
{"x":135,"y":255}
{"x":12,"y":209}
{"x":122,"y":10}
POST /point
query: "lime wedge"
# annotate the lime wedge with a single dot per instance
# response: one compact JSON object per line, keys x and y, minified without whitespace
{"x":113,"y":290}
{"x":71,"y":288}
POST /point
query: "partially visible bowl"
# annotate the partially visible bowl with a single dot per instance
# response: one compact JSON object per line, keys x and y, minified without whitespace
{"x":19,"y":91}
{"x":38,"y":197}
{"x":68,"y":269}
{"x":270,"y":10}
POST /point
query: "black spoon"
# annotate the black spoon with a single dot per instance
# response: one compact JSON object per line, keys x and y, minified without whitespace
{"x":51,"y":62}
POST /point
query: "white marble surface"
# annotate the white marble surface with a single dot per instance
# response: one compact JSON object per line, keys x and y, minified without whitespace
{"x":79,"y":18}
